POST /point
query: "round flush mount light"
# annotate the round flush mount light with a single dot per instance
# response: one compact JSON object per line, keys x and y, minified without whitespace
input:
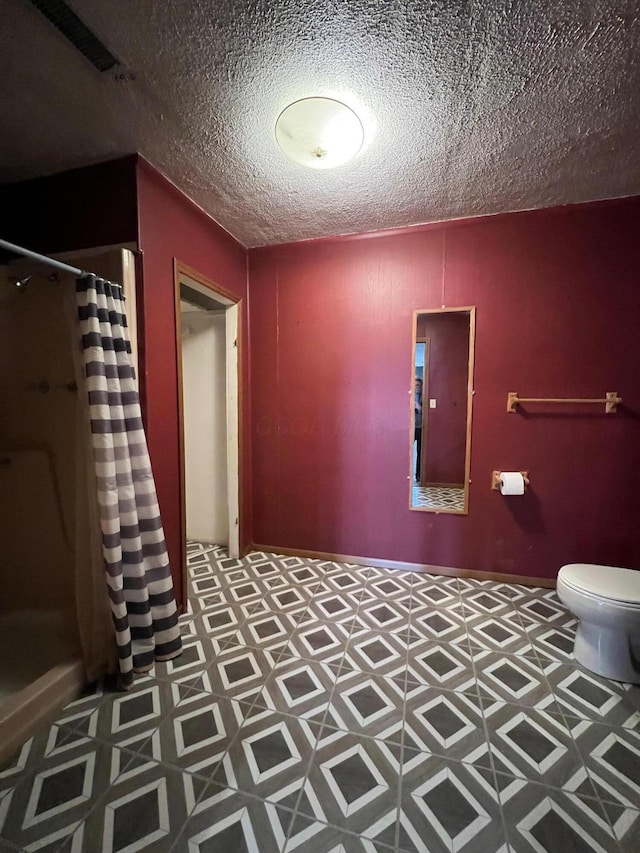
{"x":319,"y":132}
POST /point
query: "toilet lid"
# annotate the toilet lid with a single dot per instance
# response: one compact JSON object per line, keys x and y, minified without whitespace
{"x":603,"y":581}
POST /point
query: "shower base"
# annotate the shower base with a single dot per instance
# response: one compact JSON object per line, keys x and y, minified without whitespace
{"x":40,"y":671}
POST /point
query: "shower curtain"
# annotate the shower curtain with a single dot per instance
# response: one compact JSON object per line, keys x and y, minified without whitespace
{"x":135,"y":556}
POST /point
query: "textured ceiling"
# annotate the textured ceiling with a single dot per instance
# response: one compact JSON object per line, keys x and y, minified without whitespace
{"x":469,"y":107}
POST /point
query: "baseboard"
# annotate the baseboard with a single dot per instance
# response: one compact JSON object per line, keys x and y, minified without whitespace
{"x":424,"y":568}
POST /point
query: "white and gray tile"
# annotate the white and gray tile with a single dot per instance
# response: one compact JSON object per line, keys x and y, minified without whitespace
{"x":438,"y":497}
{"x":336,"y":708}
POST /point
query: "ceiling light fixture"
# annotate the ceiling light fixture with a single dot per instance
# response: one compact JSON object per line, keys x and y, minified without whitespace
{"x":320,"y":133}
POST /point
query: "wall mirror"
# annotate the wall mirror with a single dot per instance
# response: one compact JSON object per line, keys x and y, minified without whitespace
{"x":440,"y":402}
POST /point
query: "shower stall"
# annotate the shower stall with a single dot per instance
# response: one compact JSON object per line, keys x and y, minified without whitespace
{"x":55,"y":625}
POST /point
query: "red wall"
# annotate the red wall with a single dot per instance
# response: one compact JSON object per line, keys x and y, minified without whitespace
{"x":173,"y":227}
{"x":127,"y":201}
{"x":448,"y":370}
{"x":558,"y":314}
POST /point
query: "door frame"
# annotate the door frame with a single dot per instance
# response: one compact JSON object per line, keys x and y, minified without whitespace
{"x":425,"y":409}
{"x":184,"y":274}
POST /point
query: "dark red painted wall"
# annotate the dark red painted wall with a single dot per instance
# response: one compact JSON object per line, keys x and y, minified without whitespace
{"x":127,"y":201}
{"x":173,"y":227}
{"x":558,"y":314}
{"x":78,"y":209}
{"x":448,"y":370}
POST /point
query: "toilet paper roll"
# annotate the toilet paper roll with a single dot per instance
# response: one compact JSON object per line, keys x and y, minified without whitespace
{"x":511,"y":483}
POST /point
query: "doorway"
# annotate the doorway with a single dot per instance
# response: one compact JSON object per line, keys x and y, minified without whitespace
{"x":207,"y":319}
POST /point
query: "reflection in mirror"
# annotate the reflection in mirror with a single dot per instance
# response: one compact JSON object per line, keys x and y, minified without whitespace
{"x":443,"y":345}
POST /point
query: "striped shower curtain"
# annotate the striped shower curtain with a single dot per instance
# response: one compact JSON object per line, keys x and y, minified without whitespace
{"x":134,"y":549}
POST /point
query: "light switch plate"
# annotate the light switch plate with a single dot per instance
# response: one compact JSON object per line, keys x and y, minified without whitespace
{"x":432,"y":403}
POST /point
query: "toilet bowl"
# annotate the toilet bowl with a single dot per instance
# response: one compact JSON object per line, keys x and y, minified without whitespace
{"x":606,"y":600}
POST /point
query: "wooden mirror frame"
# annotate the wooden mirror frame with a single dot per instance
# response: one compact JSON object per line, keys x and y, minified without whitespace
{"x":471,"y":311}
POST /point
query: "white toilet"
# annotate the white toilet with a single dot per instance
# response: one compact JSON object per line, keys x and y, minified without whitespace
{"x":606,"y":600}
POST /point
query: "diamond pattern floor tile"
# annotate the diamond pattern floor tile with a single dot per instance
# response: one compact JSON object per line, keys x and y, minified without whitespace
{"x":201,"y":726}
{"x":263,"y":630}
{"x":438,"y":497}
{"x":339,"y":708}
{"x":331,"y":606}
{"x":444,"y":722}
{"x":429,"y":623}
{"x":376,"y":652}
{"x":389,"y":615}
{"x":355,"y":781}
{"x":539,"y":818}
{"x":227,"y":821}
{"x":449,"y":806}
{"x":145,"y":813}
{"x":613,"y":755}
{"x":537,"y":743}
{"x":446,"y":665}
{"x":429,"y":591}
{"x":584,"y":694}
{"x":503,"y":633}
{"x":296,"y":686}
{"x":321,"y":641}
{"x":309,"y":834}
{"x":115,"y":716}
{"x":271,"y":751}
{"x":238,"y":671}
{"x":340,"y":578}
{"x":622,"y":815}
{"x":48,"y":803}
{"x":367,"y":704}
{"x":510,"y":678}
{"x":486,"y":601}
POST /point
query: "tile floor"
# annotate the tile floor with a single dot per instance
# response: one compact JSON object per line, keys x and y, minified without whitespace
{"x":332,"y":708}
{"x":438,"y":497}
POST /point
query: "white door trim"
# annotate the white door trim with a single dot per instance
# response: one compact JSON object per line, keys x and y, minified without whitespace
{"x":209,"y":289}
{"x":233,"y":430}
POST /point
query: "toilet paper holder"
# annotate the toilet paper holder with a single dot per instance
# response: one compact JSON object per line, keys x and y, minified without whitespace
{"x":496,"y":477}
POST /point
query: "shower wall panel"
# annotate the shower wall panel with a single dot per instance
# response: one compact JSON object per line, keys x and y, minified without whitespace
{"x":37,"y":447}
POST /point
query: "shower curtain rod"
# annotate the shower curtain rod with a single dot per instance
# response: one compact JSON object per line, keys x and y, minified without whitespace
{"x":43,"y":259}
